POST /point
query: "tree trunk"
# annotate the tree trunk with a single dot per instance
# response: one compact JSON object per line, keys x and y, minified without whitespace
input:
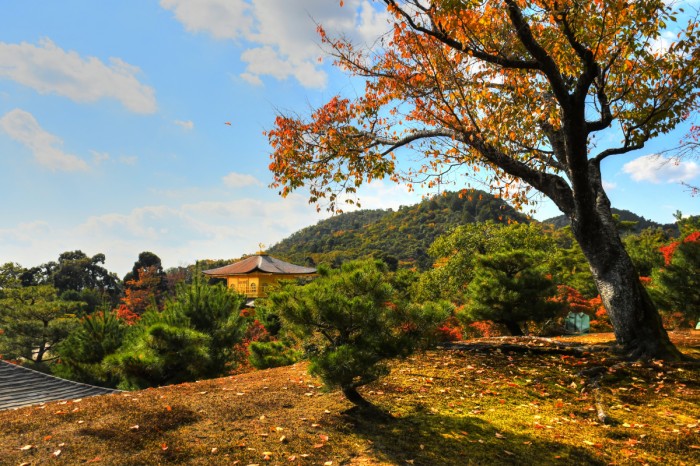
{"x":355,"y":398}
{"x":634,"y":317}
{"x":513,"y":328}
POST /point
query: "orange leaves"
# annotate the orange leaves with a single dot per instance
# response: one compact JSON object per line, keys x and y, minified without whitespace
{"x":477,"y":81}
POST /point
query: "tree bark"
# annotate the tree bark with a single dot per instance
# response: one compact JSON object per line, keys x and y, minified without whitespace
{"x":635,"y":319}
{"x":355,"y":398}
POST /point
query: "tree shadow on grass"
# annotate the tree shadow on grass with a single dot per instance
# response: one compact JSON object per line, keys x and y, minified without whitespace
{"x":428,"y":439}
{"x":141,"y":439}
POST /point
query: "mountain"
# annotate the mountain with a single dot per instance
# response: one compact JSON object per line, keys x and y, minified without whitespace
{"x":401,"y":237}
{"x":629,"y":222}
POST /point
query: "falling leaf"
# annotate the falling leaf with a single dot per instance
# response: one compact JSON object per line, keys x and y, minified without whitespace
{"x":324,"y":437}
{"x":134,"y":428}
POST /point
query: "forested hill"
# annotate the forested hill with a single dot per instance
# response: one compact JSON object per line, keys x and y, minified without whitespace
{"x":629,"y":221}
{"x":403,"y":235}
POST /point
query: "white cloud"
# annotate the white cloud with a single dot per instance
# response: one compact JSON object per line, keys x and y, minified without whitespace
{"x":99,"y":157}
{"x":281,"y":36}
{"x":223,"y":19}
{"x":609,"y":185}
{"x":48,"y":69}
{"x":23,"y":128}
{"x":657,"y":169}
{"x":186,"y":125}
{"x":128,"y":159}
{"x":240,"y":180}
{"x":183,"y":232}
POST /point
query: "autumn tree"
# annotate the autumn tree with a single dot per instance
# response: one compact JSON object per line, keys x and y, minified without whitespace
{"x":140,"y":293}
{"x":531,"y":90}
{"x":147,"y":278}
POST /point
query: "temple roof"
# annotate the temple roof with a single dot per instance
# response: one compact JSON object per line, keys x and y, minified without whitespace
{"x":21,"y":386}
{"x":260,"y":263}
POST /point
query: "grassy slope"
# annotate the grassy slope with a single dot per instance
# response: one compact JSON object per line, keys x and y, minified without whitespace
{"x":451,"y":407}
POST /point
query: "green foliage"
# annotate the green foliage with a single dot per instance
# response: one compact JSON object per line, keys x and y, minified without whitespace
{"x":33,"y":321}
{"x":193,"y":337}
{"x":400,"y":237}
{"x":163,"y":354}
{"x":510,"y":288}
{"x":76,"y":277}
{"x":81,"y":354}
{"x":456,"y":254}
{"x":686,"y":225}
{"x":214,"y":310}
{"x":569,"y":266}
{"x":351,"y":317}
{"x":676,"y":286}
{"x":643,"y":249}
{"x":264,"y":355}
{"x":10,"y":276}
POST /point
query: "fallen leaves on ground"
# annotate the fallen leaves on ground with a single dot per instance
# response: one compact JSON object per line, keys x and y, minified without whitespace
{"x":449,"y":406}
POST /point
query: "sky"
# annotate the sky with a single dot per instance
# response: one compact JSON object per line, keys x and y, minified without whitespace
{"x":137,"y":125}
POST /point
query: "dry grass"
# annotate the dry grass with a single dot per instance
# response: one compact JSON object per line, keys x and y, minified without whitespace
{"x":451,"y":407}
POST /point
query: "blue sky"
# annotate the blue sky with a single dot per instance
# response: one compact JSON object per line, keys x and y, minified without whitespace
{"x":113,"y":134}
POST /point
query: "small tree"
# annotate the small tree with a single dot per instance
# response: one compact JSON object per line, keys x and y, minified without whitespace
{"x":99,"y":335}
{"x":214,"y":310}
{"x":161,"y":349}
{"x":509,"y":288}
{"x":352,"y":321}
{"x":195,"y":336}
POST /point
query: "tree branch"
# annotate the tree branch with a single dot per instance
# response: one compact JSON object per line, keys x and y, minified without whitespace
{"x":437,"y":32}
{"x":546,"y":63}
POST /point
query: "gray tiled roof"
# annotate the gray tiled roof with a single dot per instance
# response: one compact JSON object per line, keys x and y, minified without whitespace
{"x":261,"y":263}
{"x":20,"y":386}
